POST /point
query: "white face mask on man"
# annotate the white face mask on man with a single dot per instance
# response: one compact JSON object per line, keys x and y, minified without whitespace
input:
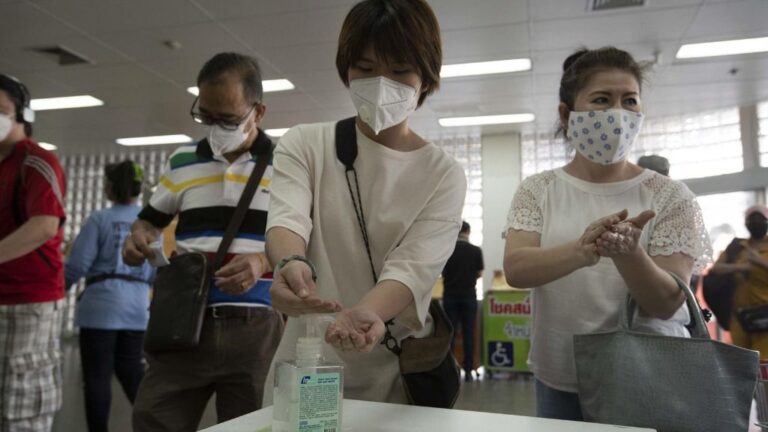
{"x":381,"y":102}
{"x":604,"y":137}
{"x":225,"y":141}
{"x":6,"y":125}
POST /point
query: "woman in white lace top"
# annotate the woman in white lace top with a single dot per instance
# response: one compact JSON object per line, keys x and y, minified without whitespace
{"x":586,"y":234}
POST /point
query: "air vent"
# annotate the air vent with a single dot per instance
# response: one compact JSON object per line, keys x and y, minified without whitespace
{"x":64,"y":56}
{"x":603,"y":5}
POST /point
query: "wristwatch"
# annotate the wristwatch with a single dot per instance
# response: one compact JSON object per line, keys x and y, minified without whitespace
{"x":301,"y":258}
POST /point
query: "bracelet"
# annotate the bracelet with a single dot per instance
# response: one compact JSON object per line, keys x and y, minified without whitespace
{"x":301,"y":258}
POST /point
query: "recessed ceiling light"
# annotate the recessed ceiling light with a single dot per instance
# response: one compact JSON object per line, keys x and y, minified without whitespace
{"x":64,"y":103}
{"x":269,"y":86}
{"x":723,"y":48}
{"x":276,"y":132}
{"x":485,"y":68}
{"x":487,"y":120}
{"x":48,"y":146}
{"x":154,"y":140}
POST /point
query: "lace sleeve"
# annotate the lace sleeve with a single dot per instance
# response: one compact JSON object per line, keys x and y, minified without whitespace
{"x":525,"y":213}
{"x":679,"y":226}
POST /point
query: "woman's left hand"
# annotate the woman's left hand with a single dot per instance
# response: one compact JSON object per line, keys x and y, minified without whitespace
{"x":623,"y":238}
{"x":356,"y":329}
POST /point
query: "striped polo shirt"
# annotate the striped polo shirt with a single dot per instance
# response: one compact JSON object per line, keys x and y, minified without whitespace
{"x":203,"y":190}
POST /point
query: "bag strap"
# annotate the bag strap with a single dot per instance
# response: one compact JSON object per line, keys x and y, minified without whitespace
{"x":699,"y":329}
{"x":346,"y":152}
{"x":242,"y":206}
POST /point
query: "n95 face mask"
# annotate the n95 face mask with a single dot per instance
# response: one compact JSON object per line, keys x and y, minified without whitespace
{"x":381,"y":102}
{"x":604,"y":137}
{"x":224,"y":141}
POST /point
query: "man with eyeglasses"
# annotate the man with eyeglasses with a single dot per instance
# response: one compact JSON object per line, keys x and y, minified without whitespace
{"x":202,"y":184}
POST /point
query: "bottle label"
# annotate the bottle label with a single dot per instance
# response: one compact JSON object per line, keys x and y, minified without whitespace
{"x":319,"y":402}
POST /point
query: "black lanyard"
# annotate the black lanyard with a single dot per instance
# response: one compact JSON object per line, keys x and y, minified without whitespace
{"x":346,"y":152}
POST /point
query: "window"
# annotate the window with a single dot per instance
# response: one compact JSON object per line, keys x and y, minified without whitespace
{"x":697,"y":145}
{"x":467,"y":150}
{"x":724,"y":217}
{"x":762,"y":132}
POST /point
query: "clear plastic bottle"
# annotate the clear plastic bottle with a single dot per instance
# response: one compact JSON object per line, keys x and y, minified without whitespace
{"x":308,"y":393}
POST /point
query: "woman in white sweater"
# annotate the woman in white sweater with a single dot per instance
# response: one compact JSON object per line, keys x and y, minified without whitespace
{"x":586,"y":234}
{"x":377,"y":236}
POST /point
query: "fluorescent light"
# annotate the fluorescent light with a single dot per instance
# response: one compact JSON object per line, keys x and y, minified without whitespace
{"x":64,"y":103}
{"x":154,"y":140}
{"x":487,"y":120}
{"x":269,"y":86}
{"x":485,"y":68}
{"x":723,"y":48}
{"x":277,"y":85}
{"x":48,"y":146}
{"x":276,"y":132}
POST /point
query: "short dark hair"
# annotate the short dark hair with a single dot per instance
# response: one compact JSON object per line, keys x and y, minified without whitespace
{"x":246,"y":66}
{"x":125,"y":178}
{"x":401,"y":31}
{"x":19,"y":95}
{"x":464,"y":227}
{"x":582,"y":65}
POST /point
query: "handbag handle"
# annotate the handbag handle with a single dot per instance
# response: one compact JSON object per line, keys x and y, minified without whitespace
{"x":699,"y":331}
{"x":262,"y":160}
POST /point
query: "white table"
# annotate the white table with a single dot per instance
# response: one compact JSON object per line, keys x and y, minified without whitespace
{"x":381,"y":417}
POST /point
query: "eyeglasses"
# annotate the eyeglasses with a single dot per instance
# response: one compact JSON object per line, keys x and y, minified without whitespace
{"x":229,"y":125}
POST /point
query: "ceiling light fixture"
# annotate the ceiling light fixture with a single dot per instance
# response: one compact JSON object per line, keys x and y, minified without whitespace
{"x":486,"y":120}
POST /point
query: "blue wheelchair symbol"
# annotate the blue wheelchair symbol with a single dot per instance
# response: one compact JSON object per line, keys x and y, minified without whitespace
{"x":501,"y":354}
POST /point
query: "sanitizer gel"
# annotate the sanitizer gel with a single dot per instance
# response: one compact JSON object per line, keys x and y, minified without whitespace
{"x":308,"y":393}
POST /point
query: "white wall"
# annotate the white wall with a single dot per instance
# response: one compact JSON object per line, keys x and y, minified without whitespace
{"x":501,"y":177}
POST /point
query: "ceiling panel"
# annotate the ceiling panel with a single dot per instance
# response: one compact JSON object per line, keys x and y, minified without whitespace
{"x":730,"y":20}
{"x":296,"y":28}
{"x":454,"y":14}
{"x":485,"y":43}
{"x":592,"y":31}
{"x":109,"y":16}
{"x":249,"y":8}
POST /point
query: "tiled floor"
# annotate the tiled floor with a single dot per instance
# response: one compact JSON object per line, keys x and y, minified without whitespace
{"x":510,"y":396}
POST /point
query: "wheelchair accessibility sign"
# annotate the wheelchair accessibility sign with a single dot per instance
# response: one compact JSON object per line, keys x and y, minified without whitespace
{"x":507,"y":330}
{"x":501,"y":354}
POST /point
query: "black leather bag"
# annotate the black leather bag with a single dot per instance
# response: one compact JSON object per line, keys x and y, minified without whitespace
{"x":180,"y":291}
{"x":430,"y":374}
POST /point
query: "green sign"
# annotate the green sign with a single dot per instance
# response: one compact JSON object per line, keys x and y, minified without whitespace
{"x":506,"y":330}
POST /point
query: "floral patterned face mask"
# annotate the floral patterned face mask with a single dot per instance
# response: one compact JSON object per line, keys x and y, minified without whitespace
{"x":604,"y":137}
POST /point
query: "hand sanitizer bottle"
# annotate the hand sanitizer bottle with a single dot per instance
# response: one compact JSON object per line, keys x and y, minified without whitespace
{"x":308,"y":393}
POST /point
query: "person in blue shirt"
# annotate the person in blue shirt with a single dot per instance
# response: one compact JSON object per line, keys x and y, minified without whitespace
{"x":112,"y":311}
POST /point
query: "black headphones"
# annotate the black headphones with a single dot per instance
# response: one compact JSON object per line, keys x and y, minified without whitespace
{"x":25,"y":114}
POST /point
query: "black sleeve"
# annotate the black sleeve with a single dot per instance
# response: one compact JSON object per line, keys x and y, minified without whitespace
{"x":155,"y":217}
{"x":480,"y":263}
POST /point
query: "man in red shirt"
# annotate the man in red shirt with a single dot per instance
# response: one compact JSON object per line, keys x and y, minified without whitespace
{"x":32,"y":189}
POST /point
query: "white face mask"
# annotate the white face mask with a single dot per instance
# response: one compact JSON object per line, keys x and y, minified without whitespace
{"x":6,"y":124}
{"x":382,"y":102}
{"x":224,"y":141}
{"x":604,"y":137}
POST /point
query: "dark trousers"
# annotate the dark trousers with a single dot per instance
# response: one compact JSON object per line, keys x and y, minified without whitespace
{"x":232,"y":360}
{"x":103,"y":352}
{"x":462,"y":313}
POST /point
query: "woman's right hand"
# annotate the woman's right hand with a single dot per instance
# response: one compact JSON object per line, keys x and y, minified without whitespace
{"x":586,"y":248}
{"x":293,"y":292}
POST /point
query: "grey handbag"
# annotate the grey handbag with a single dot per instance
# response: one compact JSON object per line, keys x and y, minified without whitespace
{"x":671,"y":384}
